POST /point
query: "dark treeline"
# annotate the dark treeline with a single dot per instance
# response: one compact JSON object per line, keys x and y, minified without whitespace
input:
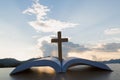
{"x":11,"y":62}
{"x":112,"y":61}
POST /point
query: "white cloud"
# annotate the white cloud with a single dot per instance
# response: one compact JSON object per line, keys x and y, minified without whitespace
{"x":45,"y":24}
{"x":112,"y":31}
{"x":42,"y":22}
{"x":99,"y":52}
{"x":39,"y":10}
{"x":50,"y":49}
{"x":117,"y":39}
{"x":50,"y":25}
{"x":108,"y":47}
{"x":42,"y":39}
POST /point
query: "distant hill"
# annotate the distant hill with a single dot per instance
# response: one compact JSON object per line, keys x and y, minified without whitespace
{"x":112,"y":61}
{"x":11,"y":62}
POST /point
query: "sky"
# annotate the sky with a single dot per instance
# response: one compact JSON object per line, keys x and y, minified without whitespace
{"x":92,"y":26}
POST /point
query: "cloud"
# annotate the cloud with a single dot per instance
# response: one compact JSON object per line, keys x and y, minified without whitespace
{"x":72,"y":47}
{"x":109,"y":47}
{"x":112,"y":31}
{"x":39,"y":10}
{"x":50,"y":49}
{"x":117,"y":39}
{"x":42,"y":22}
{"x":98,"y":52}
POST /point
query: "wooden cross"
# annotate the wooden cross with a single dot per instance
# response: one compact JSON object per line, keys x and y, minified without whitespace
{"x":59,"y":40}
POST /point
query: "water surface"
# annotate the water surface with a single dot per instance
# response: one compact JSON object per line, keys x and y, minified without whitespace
{"x":74,"y":73}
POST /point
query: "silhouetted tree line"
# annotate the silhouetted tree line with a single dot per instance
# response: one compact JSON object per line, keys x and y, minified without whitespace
{"x":11,"y":62}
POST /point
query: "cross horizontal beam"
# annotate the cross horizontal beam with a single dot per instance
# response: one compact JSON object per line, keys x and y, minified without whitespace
{"x":63,"y":40}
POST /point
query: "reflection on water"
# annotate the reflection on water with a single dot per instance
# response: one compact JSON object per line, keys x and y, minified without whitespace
{"x":47,"y":73}
{"x":83,"y":73}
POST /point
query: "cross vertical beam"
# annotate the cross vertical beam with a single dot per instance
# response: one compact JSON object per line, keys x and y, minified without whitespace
{"x":59,"y":46}
{"x":59,"y":41}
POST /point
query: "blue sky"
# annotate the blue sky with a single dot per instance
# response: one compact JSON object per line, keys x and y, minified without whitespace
{"x":98,"y":25}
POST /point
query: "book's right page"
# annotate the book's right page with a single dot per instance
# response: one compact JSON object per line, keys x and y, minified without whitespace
{"x":72,"y":61}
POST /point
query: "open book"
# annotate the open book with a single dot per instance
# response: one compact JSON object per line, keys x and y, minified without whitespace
{"x":57,"y":65}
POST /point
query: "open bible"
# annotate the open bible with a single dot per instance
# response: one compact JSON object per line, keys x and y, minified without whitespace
{"x":56,"y":64}
{"x":59,"y":64}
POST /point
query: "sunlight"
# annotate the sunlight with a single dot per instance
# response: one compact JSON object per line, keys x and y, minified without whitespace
{"x":44,"y":69}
